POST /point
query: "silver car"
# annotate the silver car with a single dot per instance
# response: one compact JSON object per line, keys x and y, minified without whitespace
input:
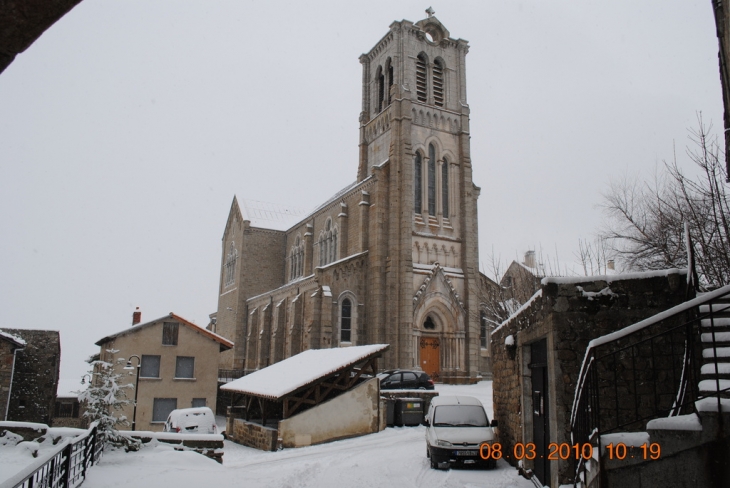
{"x":457,"y":426}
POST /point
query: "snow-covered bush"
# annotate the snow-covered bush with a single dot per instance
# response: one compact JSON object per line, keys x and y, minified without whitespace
{"x":104,"y":400}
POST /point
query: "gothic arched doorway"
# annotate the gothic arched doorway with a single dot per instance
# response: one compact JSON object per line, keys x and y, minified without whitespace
{"x":430,"y":351}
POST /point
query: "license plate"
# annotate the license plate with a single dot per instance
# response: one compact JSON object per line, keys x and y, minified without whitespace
{"x":467,"y":453}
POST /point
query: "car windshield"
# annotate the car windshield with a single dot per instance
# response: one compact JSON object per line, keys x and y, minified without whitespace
{"x":460,"y":416}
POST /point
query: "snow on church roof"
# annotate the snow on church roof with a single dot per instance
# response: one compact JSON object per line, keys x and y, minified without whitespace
{"x":270,"y":215}
{"x":278,"y":217}
{"x":284,"y":377}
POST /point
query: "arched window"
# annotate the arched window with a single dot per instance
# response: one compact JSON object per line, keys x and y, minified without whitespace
{"x":230,"y":266}
{"x":438,"y":83}
{"x":445,"y":188}
{"x":296,"y":259}
{"x":380,"y":79}
{"x":421,"y":90}
{"x":417,"y":184}
{"x":328,"y":244}
{"x":429,"y":324}
{"x":390,"y":81}
{"x":431,"y":180}
{"x":483,"y":335}
{"x":346,"y":321}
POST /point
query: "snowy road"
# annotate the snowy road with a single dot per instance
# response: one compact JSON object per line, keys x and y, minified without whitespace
{"x":395,"y":457}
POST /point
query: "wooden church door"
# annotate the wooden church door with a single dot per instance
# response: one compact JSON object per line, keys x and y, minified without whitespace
{"x":430,"y":356}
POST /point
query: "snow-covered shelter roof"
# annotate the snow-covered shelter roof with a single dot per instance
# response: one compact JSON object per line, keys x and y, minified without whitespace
{"x":225,"y":344}
{"x":280,"y":379}
{"x":270,"y":215}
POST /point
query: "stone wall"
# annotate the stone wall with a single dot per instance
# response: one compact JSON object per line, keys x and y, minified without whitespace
{"x":569,"y":313}
{"x":35,"y":380}
{"x":254,"y":435}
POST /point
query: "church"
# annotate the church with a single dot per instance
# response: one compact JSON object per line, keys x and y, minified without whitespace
{"x":390,"y":259}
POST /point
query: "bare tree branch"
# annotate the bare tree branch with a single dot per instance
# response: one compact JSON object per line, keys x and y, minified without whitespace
{"x":645,"y":221}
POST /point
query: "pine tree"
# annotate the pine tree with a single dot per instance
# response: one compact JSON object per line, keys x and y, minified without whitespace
{"x":104,"y":400}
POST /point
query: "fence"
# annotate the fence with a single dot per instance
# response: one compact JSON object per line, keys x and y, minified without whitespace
{"x":648,"y":370}
{"x":64,"y":468}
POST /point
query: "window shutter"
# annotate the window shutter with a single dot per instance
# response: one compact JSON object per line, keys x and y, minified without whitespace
{"x":421,"y":92}
{"x":438,"y":84}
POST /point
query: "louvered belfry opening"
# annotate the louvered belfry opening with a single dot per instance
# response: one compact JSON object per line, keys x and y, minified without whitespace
{"x":381,"y":91}
{"x":431,"y":180}
{"x":390,"y":81}
{"x":438,"y":84}
{"x":421,"y":92}
{"x":418,"y":189}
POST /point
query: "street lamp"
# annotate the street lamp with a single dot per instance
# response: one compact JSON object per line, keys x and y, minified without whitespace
{"x":84,"y":380}
{"x":129,"y":367}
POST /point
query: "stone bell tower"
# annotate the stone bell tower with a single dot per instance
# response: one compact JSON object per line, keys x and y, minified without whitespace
{"x":414,"y":126}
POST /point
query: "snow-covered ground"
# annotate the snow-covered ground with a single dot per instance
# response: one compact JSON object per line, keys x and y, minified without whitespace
{"x":394,"y":457}
{"x":16,"y":454}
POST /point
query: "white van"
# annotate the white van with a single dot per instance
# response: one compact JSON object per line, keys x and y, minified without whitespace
{"x":199,"y":420}
{"x":457,"y":426}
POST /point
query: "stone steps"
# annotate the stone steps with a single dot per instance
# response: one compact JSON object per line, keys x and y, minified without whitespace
{"x":719,"y":327}
{"x":687,"y":443}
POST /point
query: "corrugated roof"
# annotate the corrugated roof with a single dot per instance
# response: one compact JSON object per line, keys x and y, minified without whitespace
{"x":280,"y":379}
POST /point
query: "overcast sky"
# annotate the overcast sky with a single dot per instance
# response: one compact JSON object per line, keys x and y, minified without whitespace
{"x":128,"y":127}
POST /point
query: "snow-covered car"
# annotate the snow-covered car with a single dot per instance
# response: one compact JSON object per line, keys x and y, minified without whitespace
{"x":199,"y":420}
{"x":457,"y":426}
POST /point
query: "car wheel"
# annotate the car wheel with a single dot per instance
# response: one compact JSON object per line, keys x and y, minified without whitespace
{"x":428,"y":452}
{"x":434,"y":465}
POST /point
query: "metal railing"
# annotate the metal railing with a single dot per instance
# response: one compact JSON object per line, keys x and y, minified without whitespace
{"x":648,"y":370}
{"x":63,"y":468}
{"x":228,"y":375}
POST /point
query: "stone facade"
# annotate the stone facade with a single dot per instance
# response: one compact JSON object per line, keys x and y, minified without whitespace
{"x":35,"y":379}
{"x":567,"y":314}
{"x":392,"y":258}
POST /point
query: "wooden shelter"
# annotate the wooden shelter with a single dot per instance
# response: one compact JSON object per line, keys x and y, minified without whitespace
{"x":297,"y":384}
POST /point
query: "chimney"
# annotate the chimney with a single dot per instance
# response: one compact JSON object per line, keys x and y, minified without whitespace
{"x":136,"y":316}
{"x":610,"y":264}
{"x":530,"y":259}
